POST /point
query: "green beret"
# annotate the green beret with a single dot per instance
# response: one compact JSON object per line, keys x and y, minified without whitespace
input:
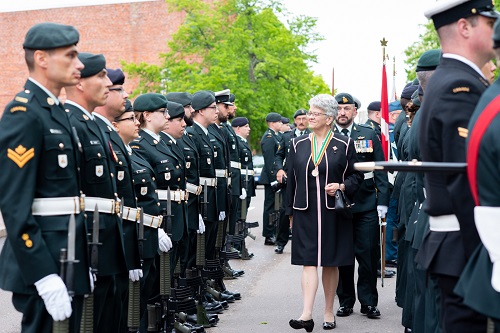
{"x":429,"y":60}
{"x":175,"y":110}
{"x":223,"y":96}
{"x":150,"y":102}
{"x":239,"y":121}
{"x":94,"y":63}
{"x":345,"y":98}
{"x":128,"y":106}
{"x":201,"y":99}
{"x":273,"y":117}
{"x":299,"y":112}
{"x":183,"y":98}
{"x":47,"y":36}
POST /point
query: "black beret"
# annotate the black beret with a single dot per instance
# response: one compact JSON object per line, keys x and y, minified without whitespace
{"x":239,"y":121}
{"x":429,"y":60}
{"x":128,"y":105}
{"x":299,"y":112}
{"x":223,"y":96}
{"x":183,"y":98}
{"x":201,"y":99}
{"x":46,"y":36}
{"x":232,"y":98}
{"x":496,"y":34}
{"x":94,"y":63}
{"x":273,"y":117}
{"x":116,"y":76}
{"x":175,"y":110}
{"x":150,"y":102}
{"x":447,"y":12}
{"x":345,"y":98}
{"x":285,"y":120}
{"x":408,"y":91}
{"x":374,"y":106}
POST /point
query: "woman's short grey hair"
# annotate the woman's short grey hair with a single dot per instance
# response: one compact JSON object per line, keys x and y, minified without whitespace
{"x":326,"y":103}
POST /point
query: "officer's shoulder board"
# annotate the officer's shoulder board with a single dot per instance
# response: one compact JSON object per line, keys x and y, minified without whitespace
{"x":365,"y":126}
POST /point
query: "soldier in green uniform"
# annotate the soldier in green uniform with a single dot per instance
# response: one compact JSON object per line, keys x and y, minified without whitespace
{"x":97,"y":171}
{"x":371,"y":202}
{"x":270,"y":143}
{"x":40,"y":185}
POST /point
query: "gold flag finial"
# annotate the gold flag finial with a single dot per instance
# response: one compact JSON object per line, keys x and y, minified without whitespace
{"x":383,"y":42}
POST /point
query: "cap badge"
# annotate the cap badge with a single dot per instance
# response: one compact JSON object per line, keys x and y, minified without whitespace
{"x":344,"y":100}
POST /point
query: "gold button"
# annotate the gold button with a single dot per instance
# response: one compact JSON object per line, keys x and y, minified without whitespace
{"x":133,"y":181}
{"x":28,"y":243}
{"x":120,"y":162}
{"x":179,"y":179}
{"x":61,"y":145}
{"x":144,"y":180}
{"x":98,"y":154}
{"x":25,"y":237}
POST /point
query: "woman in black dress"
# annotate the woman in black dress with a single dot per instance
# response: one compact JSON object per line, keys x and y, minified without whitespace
{"x":318,"y":164}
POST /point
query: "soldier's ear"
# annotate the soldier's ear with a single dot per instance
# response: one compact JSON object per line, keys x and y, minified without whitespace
{"x":115,"y":125}
{"x":41,"y":58}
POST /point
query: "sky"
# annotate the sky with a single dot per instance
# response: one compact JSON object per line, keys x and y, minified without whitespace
{"x":352,"y":32}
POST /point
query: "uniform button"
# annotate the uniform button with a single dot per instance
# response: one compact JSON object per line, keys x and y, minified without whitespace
{"x":144,"y":180}
{"x":27,"y":91}
{"x":153,"y":178}
{"x":133,"y":181}
{"x":28,"y":243}
{"x":61,"y":145}
{"x":25,"y":237}
{"x":179,"y":179}
{"x":111,"y":174}
{"x":158,"y":204}
{"x":120,"y":162}
{"x":177,"y":167}
{"x":98,"y":154}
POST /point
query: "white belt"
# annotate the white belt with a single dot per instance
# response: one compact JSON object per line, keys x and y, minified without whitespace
{"x":133,"y":214}
{"x":210,"y":181}
{"x":246,"y":172}
{"x":177,"y":195}
{"x":221,"y":173}
{"x":236,"y":165}
{"x":368,"y":175}
{"x":56,"y":206}
{"x":194,"y":189}
{"x":109,"y":206}
{"x":444,"y":223}
{"x":229,"y":181}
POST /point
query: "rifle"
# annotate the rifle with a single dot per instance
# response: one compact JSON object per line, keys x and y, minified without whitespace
{"x":67,"y":259}
{"x":201,"y":314}
{"x":274,"y":216}
{"x":382,"y":224}
{"x":134,"y":287}
{"x":165,"y":276}
{"x":87,"y":322}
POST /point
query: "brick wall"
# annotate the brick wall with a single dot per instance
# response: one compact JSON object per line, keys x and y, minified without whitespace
{"x":133,"y":32}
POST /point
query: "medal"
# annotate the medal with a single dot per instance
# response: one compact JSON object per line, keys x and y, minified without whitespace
{"x":315,"y":172}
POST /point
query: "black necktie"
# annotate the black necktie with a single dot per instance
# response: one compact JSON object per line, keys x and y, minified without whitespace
{"x":345,"y":131}
{"x":301,"y":133}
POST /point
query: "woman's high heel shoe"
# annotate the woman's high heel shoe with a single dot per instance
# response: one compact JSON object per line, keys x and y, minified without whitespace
{"x":308,"y":325}
{"x":329,"y":325}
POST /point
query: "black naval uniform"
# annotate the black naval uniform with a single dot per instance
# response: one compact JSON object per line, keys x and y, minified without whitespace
{"x":270,"y":143}
{"x":97,"y":178}
{"x":38,"y":154}
{"x":280,"y":164}
{"x":247,"y":179}
{"x":374,"y":190}
{"x":207,"y":175}
{"x":451,"y":96}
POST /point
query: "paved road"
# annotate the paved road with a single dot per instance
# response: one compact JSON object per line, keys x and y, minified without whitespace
{"x":271,"y":296}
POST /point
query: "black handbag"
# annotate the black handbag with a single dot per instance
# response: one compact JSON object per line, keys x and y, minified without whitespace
{"x":342,"y":204}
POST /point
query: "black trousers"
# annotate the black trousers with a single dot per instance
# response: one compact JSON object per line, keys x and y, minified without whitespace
{"x":455,"y":316}
{"x":233,"y":216}
{"x":284,"y":222}
{"x":36,"y":319}
{"x":268,"y":230}
{"x":121,"y":302}
{"x":210,"y":238}
{"x":104,"y":295}
{"x":367,"y":253}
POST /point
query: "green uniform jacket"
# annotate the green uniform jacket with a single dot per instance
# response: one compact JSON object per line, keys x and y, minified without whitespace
{"x":270,"y":144}
{"x":38,"y":159}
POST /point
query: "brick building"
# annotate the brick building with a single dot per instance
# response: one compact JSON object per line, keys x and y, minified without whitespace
{"x":133,"y":31}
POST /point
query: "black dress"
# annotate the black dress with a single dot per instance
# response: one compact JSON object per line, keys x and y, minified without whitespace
{"x":320,"y":237}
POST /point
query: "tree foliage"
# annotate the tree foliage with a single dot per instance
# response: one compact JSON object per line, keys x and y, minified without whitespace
{"x":241,"y":45}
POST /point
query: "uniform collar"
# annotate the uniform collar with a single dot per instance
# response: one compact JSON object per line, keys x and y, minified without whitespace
{"x":100,"y":116}
{"x":465,"y":61}
{"x":348,"y":128}
{"x":242,"y":138}
{"x":153,"y":134}
{"x":51,"y":95}
{"x":205,"y":130}
{"x":80,"y":107}
{"x":171,"y":137}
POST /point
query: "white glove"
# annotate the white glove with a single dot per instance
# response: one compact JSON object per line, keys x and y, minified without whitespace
{"x":382,"y":211}
{"x":92,"y":280}
{"x":164,"y":241}
{"x":135,"y":274}
{"x":243,"y":195}
{"x":55,"y":296}
{"x":486,"y":219}
{"x":201,"y":225}
{"x":222,"y":216}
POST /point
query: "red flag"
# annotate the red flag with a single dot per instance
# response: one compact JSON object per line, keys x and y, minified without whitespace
{"x":384,"y":108}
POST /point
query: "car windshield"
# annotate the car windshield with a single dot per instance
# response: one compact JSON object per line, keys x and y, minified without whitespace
{"x":258,"y":161}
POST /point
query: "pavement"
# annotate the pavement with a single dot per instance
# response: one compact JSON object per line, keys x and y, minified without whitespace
{"x":271,"y":295}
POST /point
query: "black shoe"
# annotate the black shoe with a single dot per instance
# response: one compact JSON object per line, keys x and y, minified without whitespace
{"x":236,"y":295}
{"x":344,"y":311}
{"x":270,"y":241}
{"x":391,"y":263}
{"x":329,"y":325}
{"x":407,"y":330}
{"x":308,"y":325}
{"x":279,"y":249}
{"x":388,"y":273}
{"x":370,"y":311}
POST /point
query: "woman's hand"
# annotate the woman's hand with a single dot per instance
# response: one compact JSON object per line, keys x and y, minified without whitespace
{"x":290,"y":218}
{"x":331,"y":188}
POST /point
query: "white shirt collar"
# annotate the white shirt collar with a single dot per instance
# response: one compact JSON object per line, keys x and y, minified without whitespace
{"x":205,"y":130}
{"x":100,"y":116}
{"x":129,"y":150}
{"x":465,"y":61}
{"x":348,"y":128}
{"x":155,"y":136}
{"x":80,"y":107}
{"x":51,"y":95}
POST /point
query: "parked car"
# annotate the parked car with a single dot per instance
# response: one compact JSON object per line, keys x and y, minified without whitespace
{"x":258,"y":163}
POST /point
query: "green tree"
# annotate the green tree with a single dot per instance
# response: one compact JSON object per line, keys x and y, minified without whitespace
{"x":244,"y":46}
{"x":427,"y":41}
